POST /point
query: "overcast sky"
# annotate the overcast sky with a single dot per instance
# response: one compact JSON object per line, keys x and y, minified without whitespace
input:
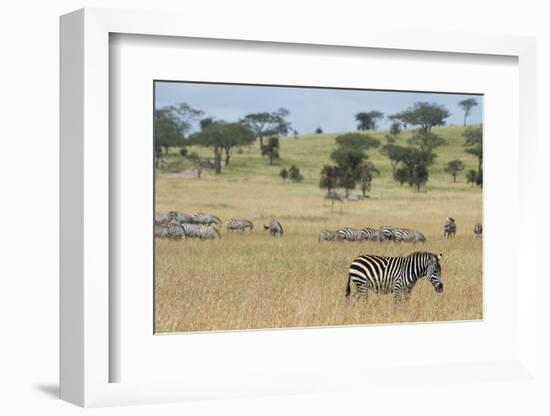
{"x":331,"y":109}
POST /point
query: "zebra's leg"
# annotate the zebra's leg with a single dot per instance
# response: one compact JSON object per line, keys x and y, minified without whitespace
{"x":397,"y":294}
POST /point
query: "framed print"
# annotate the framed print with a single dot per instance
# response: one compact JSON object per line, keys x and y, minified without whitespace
{"x":230,"y":198}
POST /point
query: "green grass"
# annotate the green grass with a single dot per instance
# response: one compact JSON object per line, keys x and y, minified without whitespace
{"x":311,"y":152}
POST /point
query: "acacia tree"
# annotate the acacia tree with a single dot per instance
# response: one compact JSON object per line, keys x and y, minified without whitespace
{"x":221,"y":136}
{"x":454,"y":167}
{"x":467,"y":106}
{"x":271,"y":149}
{"x":474,"y":146}
{"x":367,"y":170}
{"x":329,"y":178}
{"x":167,"y":133}
{"x":424,"y":115}
{"x":349,"y":155}
{"x":368,"y":120}
{"x":267,"y":124}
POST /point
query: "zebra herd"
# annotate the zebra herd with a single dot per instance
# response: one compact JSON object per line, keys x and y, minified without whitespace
{"x":449,"y":228}
{"x":204,"y":226}
{"x":384,"y":233}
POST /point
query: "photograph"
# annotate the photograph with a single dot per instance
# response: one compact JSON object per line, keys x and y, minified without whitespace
{"x":284,"y":206}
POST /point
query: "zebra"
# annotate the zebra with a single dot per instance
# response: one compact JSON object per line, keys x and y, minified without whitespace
{"x":393,"y":274}
{"x":400,"y":234}
{"x":350,"y":234}
{"x":203,"y":232}
{"x":275,"y":228}
{"x":478,"y":230}
{"x":449,"y":228}
{"x":386,"y":233}
{"x":184,"y":219}
{"x":369,"y":234}
{"x":163,"y":219}
{"x":206,"y":219}
{"x":243,"y":225}
{"x":326,"y":235}
{"x":161,"y":232}
{"x":207,"y":232}
{"x":175,"y":231}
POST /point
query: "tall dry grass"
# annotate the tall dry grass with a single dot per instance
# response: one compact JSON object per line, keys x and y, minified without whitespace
{"x":253,"y":280}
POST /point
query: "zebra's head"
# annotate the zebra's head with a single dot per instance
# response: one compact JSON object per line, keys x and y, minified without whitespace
{"x":433,"y":272}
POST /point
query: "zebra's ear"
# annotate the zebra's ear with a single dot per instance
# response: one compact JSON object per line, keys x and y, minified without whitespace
{"x":440,"y":256}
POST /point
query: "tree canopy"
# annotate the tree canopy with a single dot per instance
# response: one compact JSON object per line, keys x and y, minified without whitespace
{"x":424,"y":115}
{"x":467,"y":106}
{"x":222,"y":137}
{"x":368,"y":120}
{"x":267,"y":124}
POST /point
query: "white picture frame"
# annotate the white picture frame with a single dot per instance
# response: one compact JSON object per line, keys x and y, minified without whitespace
{"x":86,"y":356}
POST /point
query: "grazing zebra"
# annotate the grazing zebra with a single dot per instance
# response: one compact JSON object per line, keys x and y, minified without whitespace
{"x":204,"y":232}
{"x":350,"y":234}
{"x":184,"y":219}
{"x":400,"y":234}
{"x":393,"y":274}
{"x":326,"y":235}
{"x":275,"y":228}
{"x":161,"y":232}
{"x":369,"y":234}
{"x":206,"y":219}
{"x":243,"y":225}
{"x":478,"y":230}
{"x":449,"y":228}
{"x":175,"y":231}
{"x":386,"y":233}
{"x":163,"y":219}
{"x":207,"y":232}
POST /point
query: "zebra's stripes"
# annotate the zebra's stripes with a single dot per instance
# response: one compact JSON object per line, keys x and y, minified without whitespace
{"x":275,"y":228}
{"x":184,"y":219}
{"x":400,"y":234}
{"x":163,"y":219}
{"x":161,"y":232}
{"x":326,"y":235}
{"x":478,"y":230}
{"x":175,"y":231}
{"x":449,"y":228}
{"x":349,"y":234}
{"x":397,"y":275}
{"x":244,"y":225}
{"x":205,"y":219}
{"x":369,"y":234}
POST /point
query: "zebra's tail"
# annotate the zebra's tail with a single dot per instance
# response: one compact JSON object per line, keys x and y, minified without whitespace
{"x":348,"y":287}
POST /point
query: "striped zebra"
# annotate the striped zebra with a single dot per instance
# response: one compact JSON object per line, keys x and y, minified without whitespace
{"x":205,"y":219}
{"x":163,"y":219}
{"x":400,"y":234}
{"x":369,"y":234}
{"x":184,"y":219}
{"x":478,"y":230}
{"x":449,"y":228}
{"x":350,"y":234}
{"x":175,"y":231}
{"x":208,"y":233}
{"x":244,"y":225}
{"x":393,"y":274}
{"x":161,"y":232}
{"x":204,"y":232}
{"x":275,"y":228}
{"x":326,"y":235}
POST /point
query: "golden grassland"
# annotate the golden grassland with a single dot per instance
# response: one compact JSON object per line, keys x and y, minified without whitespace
{"x":254,"y":280}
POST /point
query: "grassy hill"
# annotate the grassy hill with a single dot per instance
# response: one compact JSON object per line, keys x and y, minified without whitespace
{"x":311,"y":152}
